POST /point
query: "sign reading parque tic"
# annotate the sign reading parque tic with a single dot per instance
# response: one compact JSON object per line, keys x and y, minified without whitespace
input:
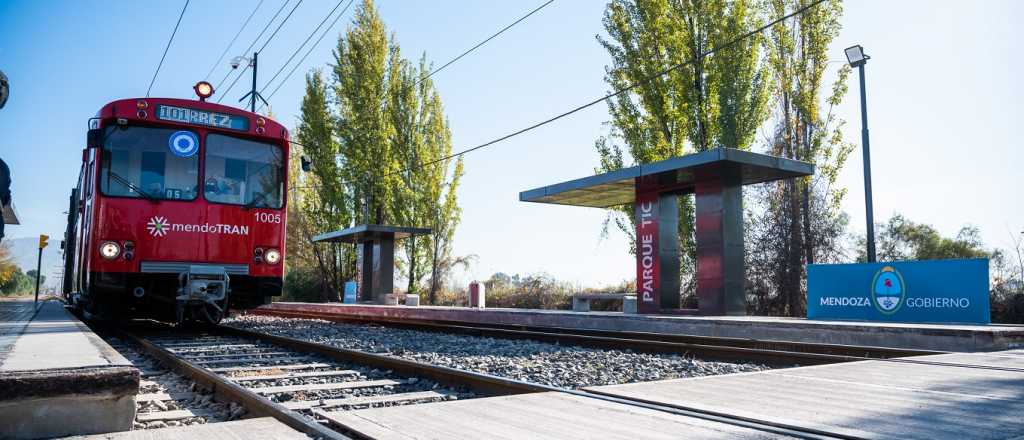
{"x":938,"y":291}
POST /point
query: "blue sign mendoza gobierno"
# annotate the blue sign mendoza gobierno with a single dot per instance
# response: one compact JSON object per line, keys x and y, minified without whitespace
{"x":936,"y":291}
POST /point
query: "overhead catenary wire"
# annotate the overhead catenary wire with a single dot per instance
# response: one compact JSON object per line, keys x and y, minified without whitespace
{"x":251,"y":45}
{"x":298,"y":49}
{"x":453,"y":60}
{"x":606,"y":97}
{"x":306,"y":55}
{"x":264,"y":46}
{"x":232,"y":43}
{"x":166,"y":48}
{"x":478,"y":45}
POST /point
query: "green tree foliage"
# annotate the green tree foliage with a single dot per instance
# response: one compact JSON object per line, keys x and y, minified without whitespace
{"x":7,"y":265}
{"x":716,"y":101}
{"x":782,"y":229}
{"x":12,"y":280}
{"x":32,"y":274}
{"x":366,"y":132}
{"x":900,"y":239}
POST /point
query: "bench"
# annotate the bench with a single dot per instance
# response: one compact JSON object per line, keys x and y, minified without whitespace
{"x":581,"y":301}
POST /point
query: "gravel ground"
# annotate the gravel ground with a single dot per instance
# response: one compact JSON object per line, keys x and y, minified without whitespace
{"x":169,"y":382}
{"x":540,"y":362}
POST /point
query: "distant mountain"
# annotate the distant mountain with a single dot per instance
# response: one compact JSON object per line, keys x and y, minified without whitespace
{"x":26,"y":250}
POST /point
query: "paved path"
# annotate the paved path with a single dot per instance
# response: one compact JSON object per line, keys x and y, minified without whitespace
{"x":15,"y":314}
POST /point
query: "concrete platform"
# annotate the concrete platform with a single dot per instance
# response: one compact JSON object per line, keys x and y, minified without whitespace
{"x":553,"y":415}
{"x":962,"y":338}
{"x":264,"y":428}
{"x":57,"y":378}
{"x":962,"y":396}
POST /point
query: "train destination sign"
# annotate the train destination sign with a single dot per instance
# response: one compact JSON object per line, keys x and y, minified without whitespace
{"x":939,"y":291}
{"x":200,"y":117}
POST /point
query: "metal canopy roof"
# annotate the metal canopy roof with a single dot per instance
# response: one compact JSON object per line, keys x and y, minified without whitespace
{"x":362,"y":233}
{"x":680,"y":173}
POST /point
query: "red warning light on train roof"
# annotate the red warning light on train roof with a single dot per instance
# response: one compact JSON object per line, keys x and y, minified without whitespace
{"x":203,"y":90}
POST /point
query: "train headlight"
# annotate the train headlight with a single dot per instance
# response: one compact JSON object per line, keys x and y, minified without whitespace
{"x":273,"y":256}
{"x":110,"y":250}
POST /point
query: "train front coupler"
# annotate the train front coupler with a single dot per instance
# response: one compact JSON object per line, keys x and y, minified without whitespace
{"x":203,"y":294}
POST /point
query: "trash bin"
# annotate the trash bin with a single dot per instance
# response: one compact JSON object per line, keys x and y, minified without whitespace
{"x":476,"y":294}
{"x":350,"y":293}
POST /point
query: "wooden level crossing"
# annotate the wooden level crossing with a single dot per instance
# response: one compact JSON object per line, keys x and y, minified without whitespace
{"x":965,"y":396}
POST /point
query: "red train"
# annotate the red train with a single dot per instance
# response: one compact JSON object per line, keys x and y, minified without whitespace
{"x":179,"y":212}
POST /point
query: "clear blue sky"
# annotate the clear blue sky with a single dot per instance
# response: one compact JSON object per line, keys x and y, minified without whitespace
{"x":943,"y":94}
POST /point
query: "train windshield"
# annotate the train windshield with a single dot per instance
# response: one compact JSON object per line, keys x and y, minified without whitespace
{"x":243,"y":172}
{"x":153,"y":163}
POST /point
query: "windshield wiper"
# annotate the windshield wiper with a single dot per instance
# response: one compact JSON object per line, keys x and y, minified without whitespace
{"x":132,"y":187}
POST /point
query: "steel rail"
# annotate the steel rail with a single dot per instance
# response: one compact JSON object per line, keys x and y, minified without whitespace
{"x":500,"y":385}
{"x":445,"y":375}
{"x":725,"y":349}
{"x":226,"y":391}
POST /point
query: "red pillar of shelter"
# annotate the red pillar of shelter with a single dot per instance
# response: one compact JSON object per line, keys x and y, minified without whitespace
{"x":719,"y":232}
{"x":657,"y":249}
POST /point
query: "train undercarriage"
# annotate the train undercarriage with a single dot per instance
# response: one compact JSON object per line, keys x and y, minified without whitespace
{"x":200,"y":294}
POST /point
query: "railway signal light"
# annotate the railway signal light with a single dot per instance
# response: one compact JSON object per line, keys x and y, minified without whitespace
{"x":203,"y":89}
{"x":43,"y":240}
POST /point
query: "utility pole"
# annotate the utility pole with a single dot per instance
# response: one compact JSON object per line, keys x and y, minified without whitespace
{"x":39,"y":263}
{"x":253,"y":95}
{"x":808,"y":243}
{"x":857,"y":58}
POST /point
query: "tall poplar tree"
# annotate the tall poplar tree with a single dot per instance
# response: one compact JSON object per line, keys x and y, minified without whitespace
{"x":324,"y":201}
{"x":785,"y":230}
{"x":713,"y":101}
{"x":369,"y":133}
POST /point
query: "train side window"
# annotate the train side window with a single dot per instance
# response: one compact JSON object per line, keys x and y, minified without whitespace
{"x":89,"y":181}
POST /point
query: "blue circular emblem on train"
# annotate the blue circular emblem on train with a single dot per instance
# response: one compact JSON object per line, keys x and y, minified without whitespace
{"x":183,"y":143}
{"x":888,"y":291}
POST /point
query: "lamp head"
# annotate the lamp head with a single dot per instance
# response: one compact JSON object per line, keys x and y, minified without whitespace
{"x":855,"y":56}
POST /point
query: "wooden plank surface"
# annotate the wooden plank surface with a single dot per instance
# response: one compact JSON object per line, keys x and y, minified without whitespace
{"x":264,"y":428}
{"x":153,"y":397}
{"x":1003,"y":360}
{"x":366,"y":400}
{"x":271,"y":367}
{"x":295,"y":375}
{"x":326,"y":386}
{"x":243,"y":360}
{"x":872,"y":399}
{"x":177,"y":414}
{"x":540,"y":416}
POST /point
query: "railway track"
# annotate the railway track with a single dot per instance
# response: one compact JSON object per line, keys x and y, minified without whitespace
{"x":301,"y":383}
{"x":167,"y":399}
{"x":773,"y":353}
{"x":298,"y":383}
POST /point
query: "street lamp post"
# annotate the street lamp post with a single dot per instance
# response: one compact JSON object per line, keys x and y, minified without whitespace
{"x":855,"y":55}
{"x":253,"y":95}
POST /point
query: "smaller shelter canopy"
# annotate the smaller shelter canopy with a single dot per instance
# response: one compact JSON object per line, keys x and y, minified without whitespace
{"x":363,"y":233}
{"x":619,"y":187}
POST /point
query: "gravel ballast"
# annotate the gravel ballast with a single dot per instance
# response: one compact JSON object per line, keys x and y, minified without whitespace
{"x":532,"y":361}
